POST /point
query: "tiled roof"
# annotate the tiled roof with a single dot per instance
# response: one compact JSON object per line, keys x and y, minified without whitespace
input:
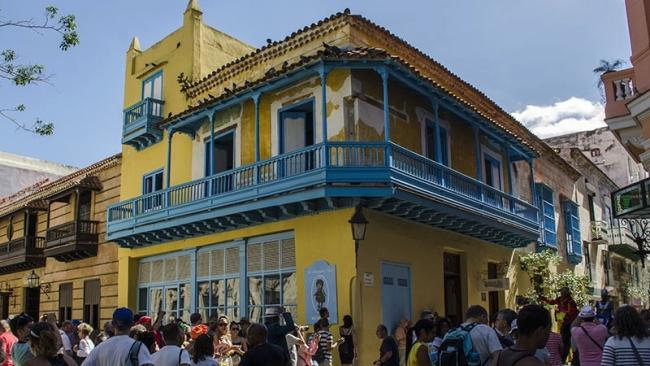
{"x":23,"y":192}
{"x":81,"y":178}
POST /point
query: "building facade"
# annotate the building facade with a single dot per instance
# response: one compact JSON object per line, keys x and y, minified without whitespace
{"x":54,"y":256}
{"x":22,"y":173}
{"x":239,"y":184}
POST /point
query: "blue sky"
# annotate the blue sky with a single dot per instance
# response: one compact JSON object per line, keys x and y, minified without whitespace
{"x":534,"y":58}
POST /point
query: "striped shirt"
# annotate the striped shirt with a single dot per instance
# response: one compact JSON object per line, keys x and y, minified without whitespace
{"x":324,"y":344}
{"x":554,"y":348}
{"x":618,"y":352}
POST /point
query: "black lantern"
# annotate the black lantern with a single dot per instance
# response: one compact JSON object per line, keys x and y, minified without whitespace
{"x":34,"y":281}
{"x":358,"y":222}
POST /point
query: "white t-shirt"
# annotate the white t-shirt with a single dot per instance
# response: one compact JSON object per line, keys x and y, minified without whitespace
{"x":67,"y":346}
{"x":114,"y":351}
{"x":485,"y":341}
{"x":293,"y":351}
{"x":169,"y":356}
{"x":208,"y":361}
{"x":85,"y":346}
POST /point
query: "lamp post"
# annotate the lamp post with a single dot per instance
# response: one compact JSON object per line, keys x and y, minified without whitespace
{"x":34,"y":281}
{"x":640,"y":229}
{"x":358,"y":224}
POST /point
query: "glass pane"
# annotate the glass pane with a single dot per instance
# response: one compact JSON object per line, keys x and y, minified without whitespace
{"x":203,"y":295}
{"x":272,"y":290}
{"x":233,"y":292}
{"x":255,"y":314}
{"x":142,"y":300}
{"x":255,"y":290}
{"x":233,"y":314}
{"x":146,"y":89}
{"x":156,"y":301}
{"x":157,"y":87}
{"x":293,"y":310}
{"x":289,"y":288}
{"x":215,"y":313}
{"x":185,"y":299}
{"x":171,"y":302}
{"x":218,"y":293}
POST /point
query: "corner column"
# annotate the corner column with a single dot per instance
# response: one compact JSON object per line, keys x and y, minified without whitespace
{"x":211,"y":167}
{"x":436,"y":125}
{"x":170,"y":134}
{"x":477,"y":149}
{"x":256,"y":102}
{"x":383,"y":72}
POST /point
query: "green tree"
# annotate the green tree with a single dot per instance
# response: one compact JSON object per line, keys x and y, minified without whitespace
{"x":15,"y":73}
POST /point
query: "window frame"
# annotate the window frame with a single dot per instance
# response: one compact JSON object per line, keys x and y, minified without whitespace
{"x":150,"y":80}
{"x":543,"y":204}
{"x":572,"y":227}
{"x":445,"y":141}
{"x":280,"y":121}
{"x":65,"y":312}
{"x":92,"y":309}
{"x":152,"y":175}
{"x":494,"y":157}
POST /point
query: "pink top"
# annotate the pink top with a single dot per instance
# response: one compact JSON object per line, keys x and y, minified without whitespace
{"x":590,"y":353}
{"x":554,"y":348}
{"x":305,"y":353}
{"x":8,"y":339}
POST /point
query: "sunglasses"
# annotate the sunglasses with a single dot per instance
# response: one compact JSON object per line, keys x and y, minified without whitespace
{"x":223,"y":324}
{"x":235,"y":329}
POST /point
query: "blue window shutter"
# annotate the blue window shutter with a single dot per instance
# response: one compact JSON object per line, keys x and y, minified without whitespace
{"x":547,"y":216}
{"x":572,"y":228}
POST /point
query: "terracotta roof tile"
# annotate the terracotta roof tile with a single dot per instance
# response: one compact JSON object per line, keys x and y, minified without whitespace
{"x":81,"y":178}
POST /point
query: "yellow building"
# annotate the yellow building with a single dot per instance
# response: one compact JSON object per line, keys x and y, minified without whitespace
{"x":54,"y":256}
{"x":243,"y":168}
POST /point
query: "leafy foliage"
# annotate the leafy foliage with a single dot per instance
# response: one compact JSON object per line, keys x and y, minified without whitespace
{"x":546,"y":283}
{"x":19,"y":74}
{"x":605,"y":66}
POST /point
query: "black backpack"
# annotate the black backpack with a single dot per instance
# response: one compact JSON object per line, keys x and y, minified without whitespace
{"x":457,"y":348}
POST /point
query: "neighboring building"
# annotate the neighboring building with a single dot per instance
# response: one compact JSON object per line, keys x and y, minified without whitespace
{"x":54,"y":255}
{"x":627,"y":112}
{"x":22,"y":173}
{"x":604,"y":149}
{"x":238,"y":185}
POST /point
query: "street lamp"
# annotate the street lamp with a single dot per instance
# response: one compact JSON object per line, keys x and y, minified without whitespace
{"x":358,"y":223}
{"x":640,"y":229}
{"x":34,"y":281}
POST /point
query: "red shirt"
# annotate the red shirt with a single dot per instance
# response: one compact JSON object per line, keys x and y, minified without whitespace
{"x":8,"y":339}
{"x":567,"y":306}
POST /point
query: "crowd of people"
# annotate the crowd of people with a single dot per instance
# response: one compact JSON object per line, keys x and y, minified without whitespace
{"x":591,"y":336}
{"x":134,"y":339}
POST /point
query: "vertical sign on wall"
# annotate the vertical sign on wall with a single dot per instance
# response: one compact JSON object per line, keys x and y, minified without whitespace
{"x":320,"y":291}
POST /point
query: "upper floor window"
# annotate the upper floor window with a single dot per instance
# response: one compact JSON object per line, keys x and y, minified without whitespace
{"x":572,"y":228}
{"x":223,"y":154}
{"x":297,"y":126}
{"x":492,"y":169}
{"x":547,"y":215}
{"x":152,"y":88}
{"x":431,"y":142}
{"x":152,"y":182}
{"x":595,"y":152}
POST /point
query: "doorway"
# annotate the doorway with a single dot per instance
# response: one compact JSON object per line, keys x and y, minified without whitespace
{"x":493,"y":296}
{"x":453,"y":288}
{"x":32,"y":301}
{"x":296,"y":133}
{"x":395,"y":294}
{"x":224,"y":160}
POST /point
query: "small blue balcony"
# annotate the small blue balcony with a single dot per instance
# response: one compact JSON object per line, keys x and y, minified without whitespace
{"x":378,"y":175}
{"x":140,"y":130}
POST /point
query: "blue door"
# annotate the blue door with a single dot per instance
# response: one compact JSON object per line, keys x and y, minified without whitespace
{"x":395,"y":294}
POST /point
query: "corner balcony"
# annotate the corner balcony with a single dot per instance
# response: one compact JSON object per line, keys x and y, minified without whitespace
{"x":622,"y":241}
{"x":22,"y":254}
{"x":72,"y":240}
{"x":619,"y":90}
{"x":140,"y":120}
{"x":380,"y":176}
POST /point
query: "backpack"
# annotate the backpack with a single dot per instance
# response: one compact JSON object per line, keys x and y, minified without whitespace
{"x":457,"y":348}
{"x":132,"y":358}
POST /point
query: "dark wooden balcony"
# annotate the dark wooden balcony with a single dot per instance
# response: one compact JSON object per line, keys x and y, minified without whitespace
{"x":22,"y":254}
{"x":72,"y":240}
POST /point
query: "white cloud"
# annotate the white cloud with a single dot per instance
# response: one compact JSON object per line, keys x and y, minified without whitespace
{"x":572,"y":115}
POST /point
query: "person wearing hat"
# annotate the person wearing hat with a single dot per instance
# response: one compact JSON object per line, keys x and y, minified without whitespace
{"x":117,"y":349}
{"x":604,"y":308}
{"x":589,"y":338}
{"x":277,"y":333}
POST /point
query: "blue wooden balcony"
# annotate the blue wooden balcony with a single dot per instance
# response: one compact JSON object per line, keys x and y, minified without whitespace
{"x":380,"y":176}
{"x":139,"y":129}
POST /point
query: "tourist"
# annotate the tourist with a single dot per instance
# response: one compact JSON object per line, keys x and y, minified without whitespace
{"x":71,"y":330}
{"x":388,"y":351}
{"x":631,"y":343}
{"x":419,"y":354}
{"x":533,"y":328}
{"x":485,"y":340}
{"x":401,"y":335}
{"x":154,"y":327}
{"x":196,"y":319}
{"x":202,"y":351}
{"x":566,"y":313}
{"x":260,"y":351}
{"x":20,"y":326}
{"x":148,"y":340}
{"x":45,"y":345}
{"x":115,"y":350}
{"x":326,"y":343}
{"x":221,"y":339}
{"x":348,"y":347}
{"x":604,"y":308}
{"x":86,"y":345}
{"x":277,"y":333}
{"x":293,"y":340}
{"x":555,"y":348}
{"x":426,"y":314}
{"x":324,"y":313}
{"x":7,"y":339}
{"x":504,"y":318}
{"x":172,"y":354}
{"x":589,"y":338}
{"x":442,"y":327}
{"x":238,"y":343}
{"x":306,"y":350}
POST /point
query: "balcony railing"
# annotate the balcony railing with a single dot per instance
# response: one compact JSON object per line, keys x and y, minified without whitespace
{"x":623,"y":89}
{"x":139,"y":123}
{"x":344,"y":162}
{"x":600,"y":231}
{"x":73,"y":231}
{"x":619,"y":90}
{"x":29,"y":245}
